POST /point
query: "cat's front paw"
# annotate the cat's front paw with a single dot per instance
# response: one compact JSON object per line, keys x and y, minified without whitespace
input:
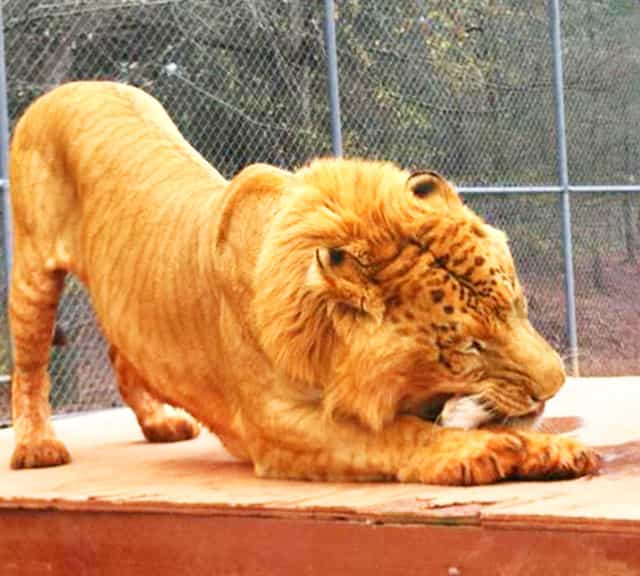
{"x":472,"y":458}
{"x":555,"y":457}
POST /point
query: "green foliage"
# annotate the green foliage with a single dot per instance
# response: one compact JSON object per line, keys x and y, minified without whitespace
{"x":464,"y":87}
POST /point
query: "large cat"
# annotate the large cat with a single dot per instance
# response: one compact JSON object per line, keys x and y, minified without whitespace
{"x":310,"y":319}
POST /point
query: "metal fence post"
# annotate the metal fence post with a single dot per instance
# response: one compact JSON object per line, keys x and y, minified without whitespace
{"x":332,"y":77}
{"x":4,"y":188}
{"x":4,"y":156}
{"x":563,"y":177}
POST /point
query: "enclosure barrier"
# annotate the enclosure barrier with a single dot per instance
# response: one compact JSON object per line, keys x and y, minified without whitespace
{"x":523,"y":107}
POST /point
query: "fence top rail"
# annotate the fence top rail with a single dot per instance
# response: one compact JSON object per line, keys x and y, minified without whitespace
{"x":606,"y":188}
{"x":612,"y":188}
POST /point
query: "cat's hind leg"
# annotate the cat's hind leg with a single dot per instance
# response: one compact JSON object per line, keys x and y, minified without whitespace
{"x":159,"y":421}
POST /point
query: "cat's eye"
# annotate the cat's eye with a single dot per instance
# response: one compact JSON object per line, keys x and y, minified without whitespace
{"x":336,"y":256}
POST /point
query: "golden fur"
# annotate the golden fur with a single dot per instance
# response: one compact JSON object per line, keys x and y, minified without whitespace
{"x":313,"y":320}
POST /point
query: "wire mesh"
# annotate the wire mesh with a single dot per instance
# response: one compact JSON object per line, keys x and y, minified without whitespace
{"x":462,"y":87}
{"x":244,"y":81}
{"x":602,"y":68}
{"x":443,"y":84}
{"x":607,"y":268}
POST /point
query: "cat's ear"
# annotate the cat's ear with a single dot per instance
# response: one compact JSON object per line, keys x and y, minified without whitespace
{"x":423,"y":183}
{"x":433,"y":188}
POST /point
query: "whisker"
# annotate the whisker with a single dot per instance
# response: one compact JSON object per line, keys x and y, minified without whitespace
{"x":436,"y":422}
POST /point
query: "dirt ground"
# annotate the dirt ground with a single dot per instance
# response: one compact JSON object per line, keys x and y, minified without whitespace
{"x":609,"y":323}
{"x":608,"y":316}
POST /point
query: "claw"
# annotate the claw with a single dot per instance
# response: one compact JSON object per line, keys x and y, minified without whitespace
{"x":496,"y":465}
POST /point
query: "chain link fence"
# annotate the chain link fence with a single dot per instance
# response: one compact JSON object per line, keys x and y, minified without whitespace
{"x":463,"y":87}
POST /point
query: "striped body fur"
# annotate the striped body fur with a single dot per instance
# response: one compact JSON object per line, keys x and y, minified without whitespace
{"x":310,"y":319}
